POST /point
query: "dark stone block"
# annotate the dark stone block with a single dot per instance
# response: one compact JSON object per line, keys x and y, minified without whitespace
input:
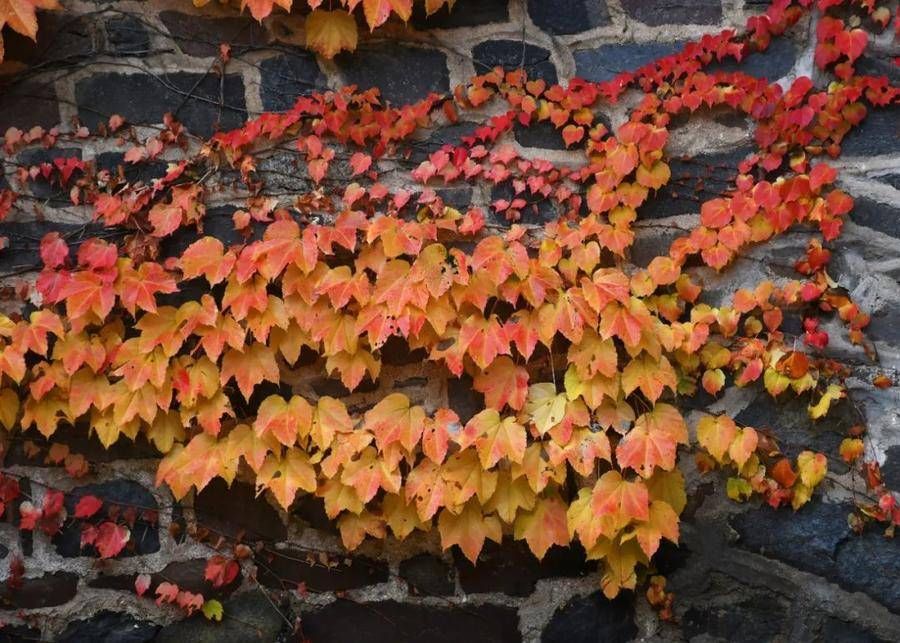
{"x":807,"y":539}
{"x":465,"y":13}
{"x":396,"y":352}
{"x":288,"y":76}
{"x":393,"y":622}
{"x":4,"y":551}
{"x":542,"y":134}
{"x":837,"y":631}
{"x":608,"y":61}
{"x":428,"y":575}
{"x":772,"y":64}
{"x":27,"y":104}
{"x":592,"y":618}
{"x":879,"y":133}
{"x":249,"y":618}
{"x":109,"y":627}
{"x":63,"y":40}
{"x":878,"y":216}
{"x":201,"y":36}
{"x":189,"y":576}
{"x":311,"y":510}
{"x":693,"y":181}
{"x":237,"y":509}
{"x":760,"y":618}
{"x":47,"y":591}
{"x":388,"y":67}
{"x":124,"y":494}
{"x":568,"y":16}
{"x":890,"y":471}
{"x":127,"y":36}
{"x":512,"y":54}
{"x":463,"y":399}
{"x":24,"y":237}
{"x":287,"y":569}
{"x":144,"y":172}
{"x":878,"y":66}
{"x":795,"y":431}
{"x":18,"y":634}
{"x":511,"y":568}
{"x":121,"y":582}
{"x":674,"y":12}
{"x":871,"y":563}
{"x":194,"y":99}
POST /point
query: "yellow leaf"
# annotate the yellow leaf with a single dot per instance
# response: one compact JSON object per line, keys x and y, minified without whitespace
{"x":833,"y":393}
{"x":510,"y":496}
{"x":715,"y":434}
{"x":329,"y":32}
{"x":285,"y":476}
{"x":468,"y":529}
{"x":212,"y":609}
{"x":400,"y":516}
{"x":813,"y":467}
{"x":354,"y":528}
{"x":9,"y":408}
{"x":545,"y":407}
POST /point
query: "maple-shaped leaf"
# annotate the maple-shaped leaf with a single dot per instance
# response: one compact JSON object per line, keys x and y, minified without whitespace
{"x":812,"y":467}
{"x":653,"y":441}
{"x":468,"y":529}
{"x":743,"y":446}
{"x":439,"y":429}
{"x":616,"y":502}
{"x":545,"y":407}
{"x":393,"y":419}
{"x":355,"y":527}
{"x":495,"y":437}
{"x":87,"y":506}
{"x":649,"y":375}
{"x":138,"y":288}
{"x":833,"y":393}
{"x":261,"y":9}
{"x":353,"y":367}
{"x":466,"y":477}
{"x":662,"y":523}
{"x":207,"y":257}
{"x":330,"y":419}
{"x":329,"y":32}
{"x":286,"y":420}
{"x":716,"y":434}
{"x":503,"y":382}
{"x":620,"y":559}
{"x":339,"y":497}
{"x":426,"y":488}
{"x":511,"y":495}
{"x":284,"y":477}
{"x":369,"y":473}
{"x":668,"y":486}
{"x":400,"y":516}
{"x":627,"y":322}
{"x":256,"y":363}
{"x":166,"y":593}
{"x":543,"y":526}
{"x":594,"y":355}
{"x":221,"y":571}
{"x":110,"y":539}
{"x":378,"y":11}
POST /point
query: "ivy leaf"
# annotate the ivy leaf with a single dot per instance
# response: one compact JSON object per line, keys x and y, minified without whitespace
{"x":716,"y":434}
{"x":652,"y":441}
{"x":496,"y":438}
{"x":543,"y":526}
{"x":285,"y":476}
{"x":256,"y":363}
{"x":545,"y":407}
{"x":329,"y":32}
{"x":649,"y":375}
{"x":142,"y":584}
{"x":503,"y":382}
{"x":286,"y":421}
{"x":111,"y":539}
{"x":662,"y":523}
{"x":221,"y":571}
{"x":468,"y":529}
{"x":812,"y":467}
{"x":393,"y":419}
{"x":212,"y":610}
{"x":87,"y":506}
{"x":617,"y":502}
{"x":260,"y":9}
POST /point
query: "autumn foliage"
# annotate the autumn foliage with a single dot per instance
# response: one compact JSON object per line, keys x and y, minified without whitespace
{"x":582,"y":357}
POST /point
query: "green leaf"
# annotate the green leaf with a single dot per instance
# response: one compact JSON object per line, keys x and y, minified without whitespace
{"x":212,"y":610}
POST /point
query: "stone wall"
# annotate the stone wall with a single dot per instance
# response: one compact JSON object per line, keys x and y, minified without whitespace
{"x":742,"y":573}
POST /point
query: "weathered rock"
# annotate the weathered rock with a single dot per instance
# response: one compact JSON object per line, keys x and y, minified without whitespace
{"x":288,"y":76}
{"x":235,"y":509}
{"x":387,"y":67}
{"x":871,"y":563}
{"x":45,"y":591}
{"x":428,"y":575}
{"x":674,"y":12}
{"x":109,"y":627}
{"x":762,"y":617}
{"x":879,"y":133}
{"x":837,"y":631}
{"x":393,"y":622}
{"x":608,"y":61}
{"x":127,"y":36}
{"x":512,"y":54}
{"x":890,"y":470}
{"x":248,"y":617}
{"x":463,"y":399}
{"x":189,"y":575}
{"x":592,"y":618}
{"x":772,"y":64}
{"x":194,"y":99}
{"x":289,"y":569}
{"x":568,"y":16}
{"x":465,"y":13}
{"x":27,"y":104}
{"x":201,"y":36}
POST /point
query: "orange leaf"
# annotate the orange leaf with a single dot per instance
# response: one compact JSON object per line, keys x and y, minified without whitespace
{"x":503,"y":383}
{"x":543,"y":526}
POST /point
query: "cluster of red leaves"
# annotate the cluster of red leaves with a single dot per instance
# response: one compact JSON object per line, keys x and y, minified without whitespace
{"x":579,"y":355}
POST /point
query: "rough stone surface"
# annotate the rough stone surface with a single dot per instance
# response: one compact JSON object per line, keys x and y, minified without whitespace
{"x":592,"y":618}
{"x":145,"y":98}
{"x":127,"y":36}
{"x":109,"y":627}
{"x":287,"y":76}
{"x":466,"y":13}
{"x":674,"y":12}
{"x":237,"y":509}
{"x":248,"y":617}
{"x":512,"y":54}
{"x":45,"y":591}
{"x":568,"y":16}
{"x":393,"y":622}
{"x":199,"y":36}
{"x":289,"y":569}
{"x":388,"y":66}
{"x":608,"y":61}
{"x":428,"y":575}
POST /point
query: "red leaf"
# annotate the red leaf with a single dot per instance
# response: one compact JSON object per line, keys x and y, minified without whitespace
{"x":221,"y":571}
{"x":87,"y":506}
{"x":111,"y":539}
{"x":141,"y":584}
